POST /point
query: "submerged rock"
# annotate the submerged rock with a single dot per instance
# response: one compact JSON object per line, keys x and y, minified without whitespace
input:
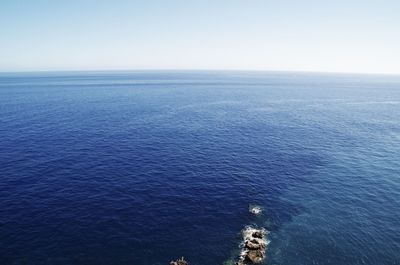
{"x":255,"y":209}
{"x":180,"y":261}
{"x":255,"y":256}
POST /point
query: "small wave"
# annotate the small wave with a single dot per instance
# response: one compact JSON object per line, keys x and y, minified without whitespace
{"x":255,"y":209}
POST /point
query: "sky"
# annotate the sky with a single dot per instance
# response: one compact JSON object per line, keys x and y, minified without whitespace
{"x":360,"y":36}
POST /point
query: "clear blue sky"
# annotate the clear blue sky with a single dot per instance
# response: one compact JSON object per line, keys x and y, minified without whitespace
{"x":337,"y":35}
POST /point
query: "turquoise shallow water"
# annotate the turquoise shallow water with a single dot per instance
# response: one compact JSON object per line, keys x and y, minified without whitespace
{"x":143,"y":167}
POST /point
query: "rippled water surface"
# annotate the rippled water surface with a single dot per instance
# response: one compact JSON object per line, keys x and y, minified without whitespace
{"x":143,"y":167}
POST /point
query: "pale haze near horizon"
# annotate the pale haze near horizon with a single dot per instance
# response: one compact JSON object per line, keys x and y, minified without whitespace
{"x":323,"y":36}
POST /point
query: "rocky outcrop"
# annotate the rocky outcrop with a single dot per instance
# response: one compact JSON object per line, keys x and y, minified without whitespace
{"x":255,"y":256}
{"x":257,"y":234}
{"x":180,"y":261}
{"x":254,"y":246}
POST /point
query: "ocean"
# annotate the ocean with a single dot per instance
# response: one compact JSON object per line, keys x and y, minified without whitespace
{"x":143,"y":167}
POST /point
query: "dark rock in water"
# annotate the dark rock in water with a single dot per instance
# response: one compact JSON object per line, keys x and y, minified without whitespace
{"x":255,"y":256}
{"x":257,"y":234}
{"x":252,"y":245}
{"x":240,"y":262}
{"x":180,"y":261}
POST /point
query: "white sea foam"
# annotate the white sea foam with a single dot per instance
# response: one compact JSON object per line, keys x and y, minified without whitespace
{"x":255,"y":209}
{"x":248,"y":231}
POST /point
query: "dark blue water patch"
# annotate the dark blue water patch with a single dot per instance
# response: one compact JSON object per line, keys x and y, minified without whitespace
{"x":144,"y":167}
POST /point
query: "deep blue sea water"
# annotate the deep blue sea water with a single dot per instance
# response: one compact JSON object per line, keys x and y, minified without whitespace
{"x":144,"y":167}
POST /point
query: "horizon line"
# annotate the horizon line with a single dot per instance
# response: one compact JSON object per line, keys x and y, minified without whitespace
{"x":195,"y":70}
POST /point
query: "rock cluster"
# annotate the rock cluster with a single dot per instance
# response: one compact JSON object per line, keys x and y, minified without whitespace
{"x":180,"y":261}
{"x":254,"y":246}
